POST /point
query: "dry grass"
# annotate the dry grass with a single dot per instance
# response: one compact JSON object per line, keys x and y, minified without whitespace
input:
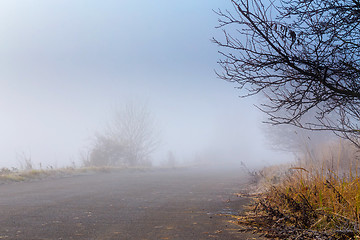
{"x":314,"y":199}
{"x":7,"y":175}
{"x":15,"y":175}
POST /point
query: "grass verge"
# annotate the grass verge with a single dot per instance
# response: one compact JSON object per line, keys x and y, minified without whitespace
{"x":8,"y":176}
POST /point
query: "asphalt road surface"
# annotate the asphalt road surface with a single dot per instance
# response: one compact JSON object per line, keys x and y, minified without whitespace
{"x":174,"y":204}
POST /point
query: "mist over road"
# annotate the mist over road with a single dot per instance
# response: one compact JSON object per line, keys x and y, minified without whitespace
{"x":173,"y":204}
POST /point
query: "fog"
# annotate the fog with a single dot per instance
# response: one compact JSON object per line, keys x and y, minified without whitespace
{"x":66,"y":65}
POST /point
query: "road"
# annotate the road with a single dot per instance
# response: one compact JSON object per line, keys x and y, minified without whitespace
{"x":173,"y":204}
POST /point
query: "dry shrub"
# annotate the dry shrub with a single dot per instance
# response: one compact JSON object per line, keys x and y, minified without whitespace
{"x":316,"y":198}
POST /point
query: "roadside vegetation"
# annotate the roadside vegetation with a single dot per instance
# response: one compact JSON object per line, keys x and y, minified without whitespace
{"x":314,"y":198}
{"x":15,"y":175}
{"x":27,"y":170}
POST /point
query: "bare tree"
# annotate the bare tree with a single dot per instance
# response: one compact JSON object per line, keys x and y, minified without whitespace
{"x":303,"y":55}
{"x":135,"y":128}
{"x":129,"y":139}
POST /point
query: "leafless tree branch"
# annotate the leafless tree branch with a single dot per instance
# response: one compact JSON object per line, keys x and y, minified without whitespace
{"x":304,"y":56}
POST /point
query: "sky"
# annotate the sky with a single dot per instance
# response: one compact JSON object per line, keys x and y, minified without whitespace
{"x":65,"y":65}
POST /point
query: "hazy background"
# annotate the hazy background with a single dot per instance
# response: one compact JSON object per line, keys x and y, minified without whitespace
{"x":65,"y":65}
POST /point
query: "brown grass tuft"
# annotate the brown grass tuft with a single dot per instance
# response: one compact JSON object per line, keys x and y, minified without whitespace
{"x":320,"y":200}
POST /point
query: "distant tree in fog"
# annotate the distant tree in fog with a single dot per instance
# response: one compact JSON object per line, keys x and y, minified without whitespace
{"x":106,"y":151}
{"x":304,"y":56}
{"x":170,"y":160}
{"x":129,"y":139}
